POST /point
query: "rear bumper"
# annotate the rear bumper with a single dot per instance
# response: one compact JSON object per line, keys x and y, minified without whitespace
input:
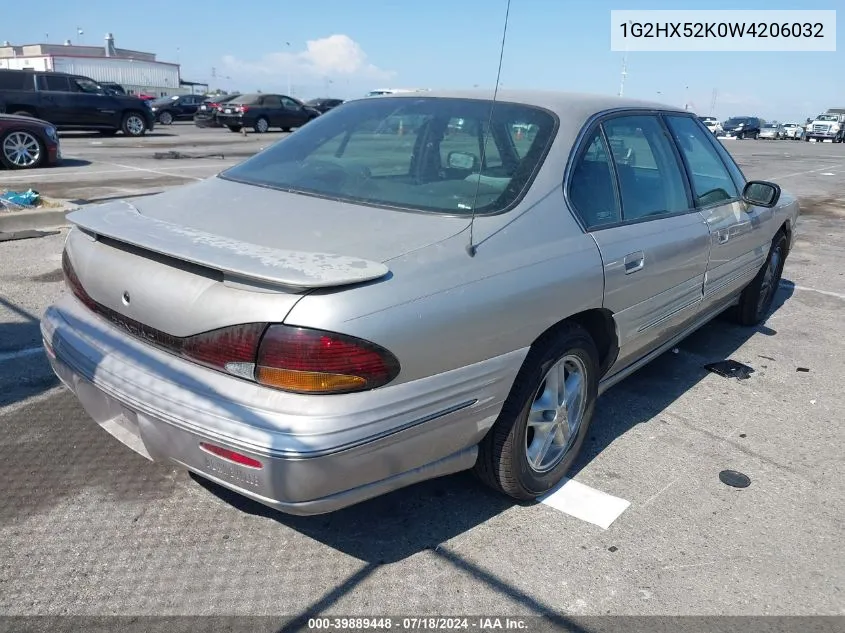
{"x":318,"y":454}
{"x":234,"y":119}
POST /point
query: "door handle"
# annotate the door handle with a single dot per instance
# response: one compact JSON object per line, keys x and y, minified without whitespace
{"x":724,"y":236}
{"x":634,"y":262}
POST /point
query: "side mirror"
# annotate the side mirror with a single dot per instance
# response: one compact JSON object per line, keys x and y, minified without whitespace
{"x":761,"y":193}
{"x":461,"y":160}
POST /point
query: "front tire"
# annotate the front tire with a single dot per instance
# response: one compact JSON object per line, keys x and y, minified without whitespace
{"x":134,"y":124}
{"x":541,"y":428}
{"x":757,"y":298}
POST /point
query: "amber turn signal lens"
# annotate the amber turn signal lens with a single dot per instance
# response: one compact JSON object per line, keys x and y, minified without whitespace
{"x":307,"y":381}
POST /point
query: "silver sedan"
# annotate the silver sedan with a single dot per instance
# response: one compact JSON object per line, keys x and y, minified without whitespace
{"x":385,"y":296}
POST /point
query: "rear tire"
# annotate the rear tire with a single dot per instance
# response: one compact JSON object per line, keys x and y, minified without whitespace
{"x":517,"y":437}
{"x":261,"y":125}
{"x":165,"y":118}
{"x":756,"y":300}
{"x":134,"y":124}
{"x":286,"y":129}
{"x":235,"y":128}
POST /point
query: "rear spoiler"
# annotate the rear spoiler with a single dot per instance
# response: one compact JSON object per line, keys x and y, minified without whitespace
{"x":121,"y":221}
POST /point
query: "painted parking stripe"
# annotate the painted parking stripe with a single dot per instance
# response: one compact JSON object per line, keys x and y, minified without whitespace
{"x":588,"y":504}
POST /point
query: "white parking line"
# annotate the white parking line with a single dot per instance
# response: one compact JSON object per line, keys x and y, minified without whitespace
{"x":154,"y":171}
{"x":804,"y":173}
{"x":21,"y":353}
{"x":165,"y":171}
{"x":588,"y":504}
{"x":838,"y":295}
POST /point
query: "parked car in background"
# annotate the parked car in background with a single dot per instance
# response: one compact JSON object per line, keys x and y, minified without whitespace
{"x":826,"y":127}
{"x":793,"y":131}
{"x":323,"y":105}
{"x":27,"y":143}
{"x":712,"y":124}
{"x":73,"y":102}
{"x":772,"y":131}
{"x":206,"y":115}
{"x":742,"y":127}
{"x":327,"y":330}
{"x":262,"y":111}
{"x":176,"y":108}
{"x":381,"y":92}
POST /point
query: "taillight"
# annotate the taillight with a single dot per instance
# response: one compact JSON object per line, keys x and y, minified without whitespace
{"x":231,"y":349}
{"x":313,"y":361}
{"x":73,"y":283}
{"x":243,"y":109}
{"x":213,"y":105}
{"x":295,"y":359}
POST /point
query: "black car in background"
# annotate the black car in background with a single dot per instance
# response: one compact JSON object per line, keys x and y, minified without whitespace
{"x":206,"y":115}
{"x":263,"y":111}
{"x":742,"y":127}
{"x":323,"y":104}
{"x":176,"y":108}
{"x":72,"y":102}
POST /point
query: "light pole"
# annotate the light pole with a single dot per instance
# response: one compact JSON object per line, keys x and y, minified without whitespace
{"x":289,"y":88}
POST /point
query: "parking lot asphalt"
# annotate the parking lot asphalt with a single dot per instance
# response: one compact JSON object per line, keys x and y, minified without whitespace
{"x":89,"y":527}
{"x":97,"y":167}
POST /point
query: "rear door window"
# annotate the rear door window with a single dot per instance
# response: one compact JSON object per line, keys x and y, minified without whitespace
{"x":651,"y":181}
{"x":54,"y":83}
{"x":592,"y":190}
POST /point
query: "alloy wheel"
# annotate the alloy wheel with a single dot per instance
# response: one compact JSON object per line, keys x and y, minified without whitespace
{"x":556,"y":414}
{"x":22,"y":149}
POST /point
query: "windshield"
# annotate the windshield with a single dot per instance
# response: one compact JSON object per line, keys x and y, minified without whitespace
{"x":736,"y":121}
{"x":410,"y":154}
{"x":827,"y":117}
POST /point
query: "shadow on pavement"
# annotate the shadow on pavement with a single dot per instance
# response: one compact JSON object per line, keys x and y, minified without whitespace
{"x":24,"y":370}
{"x":646,"y":393}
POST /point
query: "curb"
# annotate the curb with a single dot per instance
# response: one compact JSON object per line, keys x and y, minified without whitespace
{"x":13,"y":221}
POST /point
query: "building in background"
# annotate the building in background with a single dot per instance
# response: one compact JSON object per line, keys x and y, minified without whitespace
{"x":137,"y":72}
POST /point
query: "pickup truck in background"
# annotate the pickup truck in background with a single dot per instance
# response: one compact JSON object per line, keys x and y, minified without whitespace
{"x":72,"y":102}
{"x":827,"y":126}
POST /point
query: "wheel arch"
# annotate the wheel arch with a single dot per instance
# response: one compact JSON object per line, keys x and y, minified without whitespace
{"x":600,"y":325}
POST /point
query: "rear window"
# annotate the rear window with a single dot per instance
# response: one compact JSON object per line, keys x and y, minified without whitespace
{"x":15,"y":80}
{"x":420,"y":154}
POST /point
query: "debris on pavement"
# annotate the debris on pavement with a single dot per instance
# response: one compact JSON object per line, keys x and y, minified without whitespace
{"x":730,"y":369}
{"x":802,"y":369}
{"x":734,"y":478}
{"x":180,"y":155}
{"x":15,"y":200}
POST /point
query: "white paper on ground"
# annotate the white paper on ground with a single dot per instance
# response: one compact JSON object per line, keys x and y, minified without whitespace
{"x":585,"y":503}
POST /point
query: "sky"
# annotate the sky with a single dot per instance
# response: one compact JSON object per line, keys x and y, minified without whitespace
{"x":344,"y":48}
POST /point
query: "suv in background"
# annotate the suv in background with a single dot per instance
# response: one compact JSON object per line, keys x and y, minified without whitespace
{"x":72,"y":102}
{"x":176,"y":108}
{"x":742,"y":127}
